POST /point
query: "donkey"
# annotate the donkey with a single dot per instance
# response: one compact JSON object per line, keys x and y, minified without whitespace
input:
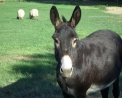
{"x":87,"y":65}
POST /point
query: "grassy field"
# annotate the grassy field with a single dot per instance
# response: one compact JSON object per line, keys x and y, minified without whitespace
{"x":27,"y":63}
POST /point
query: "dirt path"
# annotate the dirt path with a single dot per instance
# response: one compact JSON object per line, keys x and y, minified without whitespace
{"x":114,"y":10}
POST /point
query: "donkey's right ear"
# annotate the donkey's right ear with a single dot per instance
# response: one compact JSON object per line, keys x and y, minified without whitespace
{"x":54,"y":16}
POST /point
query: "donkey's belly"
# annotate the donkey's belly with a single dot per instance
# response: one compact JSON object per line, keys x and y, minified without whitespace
{"x":94,"y":87}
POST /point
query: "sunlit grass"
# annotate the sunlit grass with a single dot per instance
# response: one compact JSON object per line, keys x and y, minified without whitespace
{"x":27,"y":63}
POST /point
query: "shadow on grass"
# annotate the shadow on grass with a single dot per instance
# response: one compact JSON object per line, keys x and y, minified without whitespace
{"x":39,"y":81}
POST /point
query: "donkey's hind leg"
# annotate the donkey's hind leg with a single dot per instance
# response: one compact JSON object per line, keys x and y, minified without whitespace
{"x":116,"y":88}
{"x":104,"y":92}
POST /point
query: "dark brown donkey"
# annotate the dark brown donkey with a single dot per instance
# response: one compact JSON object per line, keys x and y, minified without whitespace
{"x":87,"y":65}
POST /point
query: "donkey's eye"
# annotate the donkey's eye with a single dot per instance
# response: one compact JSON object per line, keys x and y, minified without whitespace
{"x":57,"y":42}
{"x":74,"y":42}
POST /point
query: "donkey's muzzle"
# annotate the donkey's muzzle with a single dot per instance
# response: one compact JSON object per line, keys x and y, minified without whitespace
{"x":66,"y":66}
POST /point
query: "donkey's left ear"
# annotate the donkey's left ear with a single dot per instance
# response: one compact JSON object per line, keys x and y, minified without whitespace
{"x":75,"y":18}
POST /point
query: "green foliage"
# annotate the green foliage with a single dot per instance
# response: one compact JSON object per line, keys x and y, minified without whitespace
{"x":27,"y":63}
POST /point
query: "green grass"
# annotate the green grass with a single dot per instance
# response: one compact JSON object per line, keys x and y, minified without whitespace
{"x":101,"y":7}
{"x":27,"y":63}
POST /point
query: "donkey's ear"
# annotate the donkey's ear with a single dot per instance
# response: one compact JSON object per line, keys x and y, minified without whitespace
{"x":75,"y":18}
{"x":54,"y":16}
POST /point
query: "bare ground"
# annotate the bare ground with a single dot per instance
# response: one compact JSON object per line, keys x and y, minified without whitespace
{"x":114,"y":10}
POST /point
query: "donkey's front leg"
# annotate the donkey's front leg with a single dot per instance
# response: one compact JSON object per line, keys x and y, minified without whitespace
{"x":116,"y":88}
{"x":104,"y":92}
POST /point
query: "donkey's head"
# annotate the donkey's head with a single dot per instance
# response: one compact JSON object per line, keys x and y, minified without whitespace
{"x":65,"y":39}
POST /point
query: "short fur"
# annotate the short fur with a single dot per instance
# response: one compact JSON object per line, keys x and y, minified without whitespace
{"x":96,"y":59}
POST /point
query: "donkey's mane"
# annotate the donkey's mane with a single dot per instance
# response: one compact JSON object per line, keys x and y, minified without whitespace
{"x":64,"y":19}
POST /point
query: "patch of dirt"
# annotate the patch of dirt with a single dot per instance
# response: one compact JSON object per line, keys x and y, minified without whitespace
{"x":114,"y":10}
{"x":22,"y":58}
{"x":4,"y":58}
{"x":8,"y":58}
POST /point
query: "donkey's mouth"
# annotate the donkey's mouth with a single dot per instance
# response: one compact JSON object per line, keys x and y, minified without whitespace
{"x":66,"y":73}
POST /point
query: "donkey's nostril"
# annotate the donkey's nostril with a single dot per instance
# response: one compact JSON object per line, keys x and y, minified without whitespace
{"x":66,"y":72}
{"x":61,"y":70}
{"x":71,"y":69}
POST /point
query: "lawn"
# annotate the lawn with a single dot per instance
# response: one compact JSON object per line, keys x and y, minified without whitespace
{"x":27,"y":63}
